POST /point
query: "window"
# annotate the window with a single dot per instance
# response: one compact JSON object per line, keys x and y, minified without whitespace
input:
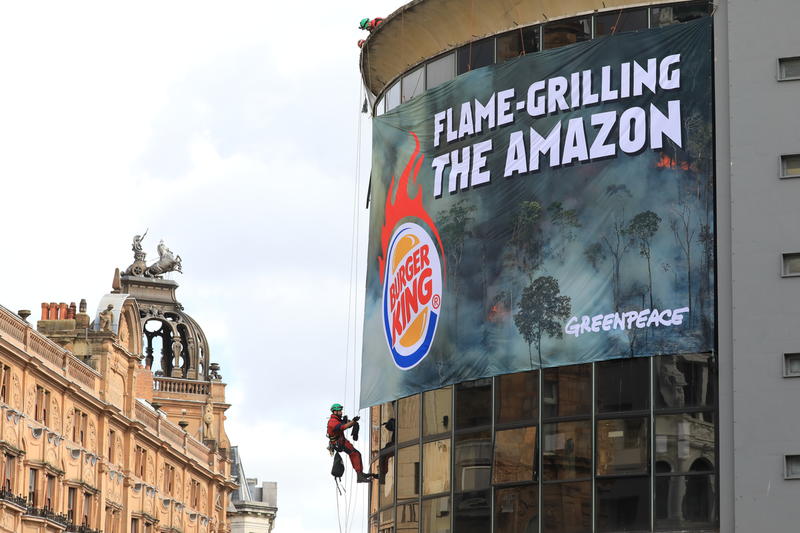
{"x":9,"y":465}
{"x":5,"y":380}
{"x":516,"y":509}
{"x":567,"y":391}
{"x":72,"y":494}
{"x":791,"y":264}
{"x":569,"y":31}
{"x":386,"y":481}
{"x":475,"y":55}
{"x":412,"y":84}
{"x":140,"y":459}
{"x":516,"y":397}
{"x":474,"y":403}
{"x":664,"y":16}
{"x":50,"y":492}
{"x":473,"y":460}
{"x":111,"y":435}
{"x":42,"y":404}
{"x":440,"y":70}
{"x":517,"y":43}
{"x":789,"y":68}
{"x":436,"y":467}
{"x":169,"y":479}
{"x":436,"y":406}
{"x":569,"y":506}
{"x":792,"y":467}
{"x":407,"y":517}
{"x":623,"y":504}
{"x":620,"y":21}
{"x":408,"y":418}
{"x":514,"y":455}
{"x":790,"y":166}
{"x":134,"y":525}
{"x":622,"y":385}
{"x":567,"y":450}
{"x":388,"y":425}
{"x":685,"y":442}
{"x":408,"y":472}
{"x":33,"y":476}
{"x":622,"y":446}
{"x":436,"y":514}
{"x":791,"y":365}
{"x":392,"y":97}
{"x":87,"y":509}
{"x":80,"y":426}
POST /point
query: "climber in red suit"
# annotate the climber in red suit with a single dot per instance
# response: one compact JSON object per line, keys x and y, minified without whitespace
{"x":336,"y":429}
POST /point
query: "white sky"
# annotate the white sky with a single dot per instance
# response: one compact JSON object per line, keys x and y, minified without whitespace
{"x":230,"y":131}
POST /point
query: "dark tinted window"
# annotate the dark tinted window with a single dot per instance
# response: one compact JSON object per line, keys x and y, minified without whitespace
{"x":473,"y":461}
{"x":476,"y":55}
{"x":569,"y":507}
{"x":472,"y":512}
{"x":517,"y":43}
{"x":620,"y":21}
{"x":684,"y":381}
{"x":567,"y":450}
{"x":517,"y":397}
{"x":664,"y":16}
{"x":691,"y":502}
{"x":474,"y":403}
{"x":567,"y":391}
{"x":622,"y":385}
{"x":623,"y":504}
{"x":516,"y":509}
{"x":569,"y":31}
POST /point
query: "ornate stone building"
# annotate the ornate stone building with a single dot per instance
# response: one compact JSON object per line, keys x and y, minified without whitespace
{"x":116,"y":423}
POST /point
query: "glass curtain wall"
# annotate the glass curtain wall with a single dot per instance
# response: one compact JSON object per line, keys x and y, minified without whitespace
{"x":627,"y":445}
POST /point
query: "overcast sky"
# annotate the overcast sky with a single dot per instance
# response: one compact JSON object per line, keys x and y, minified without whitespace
{"x":230,"y":131}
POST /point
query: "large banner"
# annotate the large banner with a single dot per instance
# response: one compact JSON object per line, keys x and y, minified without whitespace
{"x":552,"y":210}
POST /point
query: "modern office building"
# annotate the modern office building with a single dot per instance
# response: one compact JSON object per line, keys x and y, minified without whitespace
{"x":683,"y":440}
{"x":96,"y":434}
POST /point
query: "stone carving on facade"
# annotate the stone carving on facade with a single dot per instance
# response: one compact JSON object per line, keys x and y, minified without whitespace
{"x":106,"y":318}
{"x":149,"y":473}
{"x":208,"y":420}
{"x":55,"y":416}
{"x":15,"y":391}
{"x":69,"y":420}
{"x":30,"y":399}
{"x":118,"y":449}
{"x":92,"y":435}
{"x":167,"y":262}
{"x":124,"y":333}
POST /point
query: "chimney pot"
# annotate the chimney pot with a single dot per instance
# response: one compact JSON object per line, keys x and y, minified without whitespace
{"x":52,"y":313}
{"x":45,"y":309}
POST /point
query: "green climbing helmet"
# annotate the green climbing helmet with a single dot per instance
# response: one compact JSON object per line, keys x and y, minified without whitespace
{"x":363,"y":24}
{"x":336,"y":407}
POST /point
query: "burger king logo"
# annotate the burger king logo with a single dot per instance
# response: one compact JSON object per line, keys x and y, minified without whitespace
{"x":412,"y":294}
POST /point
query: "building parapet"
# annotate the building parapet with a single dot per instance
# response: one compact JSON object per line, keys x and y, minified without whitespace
{"x":24,"y":337}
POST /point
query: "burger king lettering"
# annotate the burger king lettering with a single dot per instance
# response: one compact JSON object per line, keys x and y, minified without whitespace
{"x":412,"y":294}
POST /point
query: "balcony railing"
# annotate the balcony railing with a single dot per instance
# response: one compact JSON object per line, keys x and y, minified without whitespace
{"x":9,"y":496}
{"x":181,"y":386}
{"x":48,"y":514}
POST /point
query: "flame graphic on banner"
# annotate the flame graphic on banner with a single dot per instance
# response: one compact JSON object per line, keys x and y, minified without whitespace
{"x":668,"y":162}
{"x":405,"y":206}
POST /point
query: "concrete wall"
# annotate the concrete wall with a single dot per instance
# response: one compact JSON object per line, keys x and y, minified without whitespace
{"x":758,"y":308}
